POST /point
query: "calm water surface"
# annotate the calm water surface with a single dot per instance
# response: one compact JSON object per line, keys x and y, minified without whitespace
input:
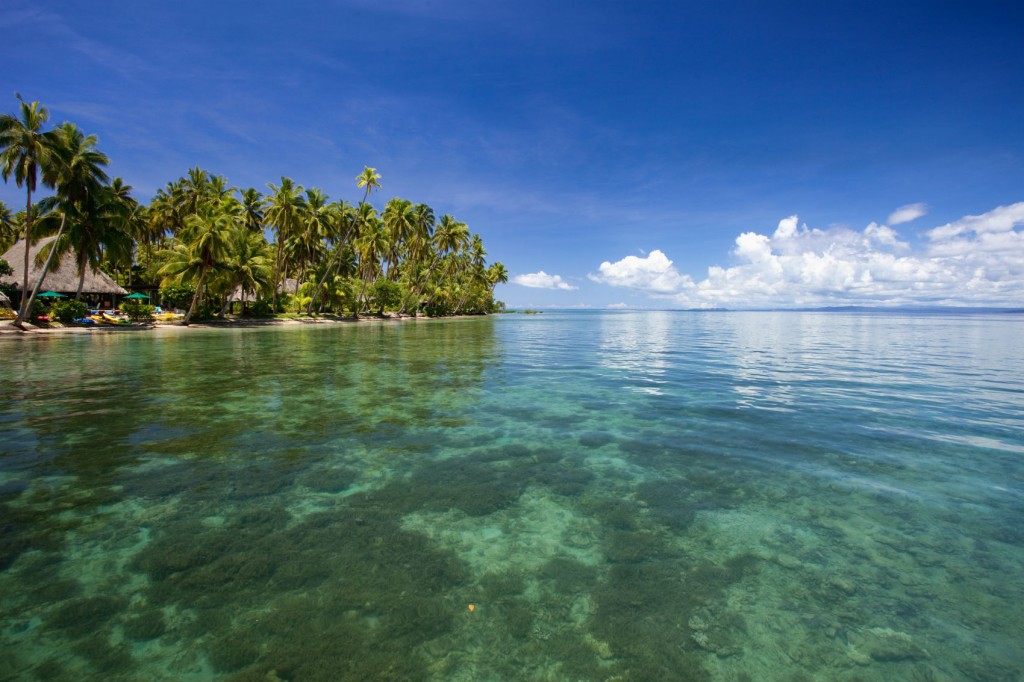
{"x":587,"y":496}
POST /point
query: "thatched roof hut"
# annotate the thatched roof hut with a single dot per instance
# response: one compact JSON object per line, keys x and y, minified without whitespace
{"x":63,"y":279}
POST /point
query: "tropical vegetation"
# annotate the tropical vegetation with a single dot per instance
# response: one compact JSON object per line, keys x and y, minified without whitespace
{"x":214,"y":249}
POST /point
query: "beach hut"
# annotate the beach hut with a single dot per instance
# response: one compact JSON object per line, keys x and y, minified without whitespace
{"x":62,"y":279}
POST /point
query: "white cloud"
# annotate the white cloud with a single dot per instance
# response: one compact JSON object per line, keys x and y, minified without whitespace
{"x":904,"y":214}
{"x":616,"y":306}
{"x":1001,"y":219}
{"x":654,"y":273}
{"x":977,"y":260}
{"x":542,"y":280}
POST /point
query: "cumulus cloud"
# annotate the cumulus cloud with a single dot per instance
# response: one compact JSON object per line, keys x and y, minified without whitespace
{"x":977,"y":260}
{"x":616,"y":306}
{"x":542,"y":280}
{"x":904,"y":214}
{"x":653,"y":273}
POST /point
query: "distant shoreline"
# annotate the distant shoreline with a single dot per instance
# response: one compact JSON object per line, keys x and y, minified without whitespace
{"x":8,"y":330}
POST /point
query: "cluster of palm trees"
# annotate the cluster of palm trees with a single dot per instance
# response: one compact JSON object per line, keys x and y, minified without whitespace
{"x":210,"y":238}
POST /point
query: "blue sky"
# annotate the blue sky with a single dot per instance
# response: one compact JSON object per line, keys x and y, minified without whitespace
{"x":736,"y":154}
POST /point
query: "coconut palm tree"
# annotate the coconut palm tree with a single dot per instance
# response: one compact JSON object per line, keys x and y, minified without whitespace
{"x":369,"y":180}
{"x":206,"y":246}
{"x":400,"y":222}
{"x":218,"y":188}
{"x":26,"y":152}
{"x":96,"y":215}
{"x":90,"y":213}
{"x":252,"y":209}
{"x":475,"y":272}
{"x":8,"y":235}
{"x":196,"y":190}
{"x":496,"y":274}
{"x":315,"y":225}
{"x":283,"y":210}
{"x":371,"y":243}
{"x":450,"y":237}
{"x":336,"y":232}
{"x":418,"y":252}
{"x":250,"y":264}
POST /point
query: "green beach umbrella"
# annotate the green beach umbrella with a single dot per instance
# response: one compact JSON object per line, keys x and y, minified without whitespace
{"x":50,"y":294}
{"x":136,"y":295}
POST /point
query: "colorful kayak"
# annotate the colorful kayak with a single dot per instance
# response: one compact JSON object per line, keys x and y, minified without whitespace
{"x":107,"y":318}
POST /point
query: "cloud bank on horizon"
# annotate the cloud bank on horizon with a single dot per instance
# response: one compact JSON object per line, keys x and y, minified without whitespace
{"x":974,"y":261}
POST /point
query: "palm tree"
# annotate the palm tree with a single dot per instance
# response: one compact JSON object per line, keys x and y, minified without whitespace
{"x":206,"y":248}
{"x":496,"y":274}
{"x":450,"y":237}
{"x":218,"y":188}
{"x":371,"y":243}
{"x":418,"y":248}
{"x":475,"y":271}
{"x":252,"y":209}
{"x":400,"y":221}
{"x":25,"y":152}
{"x":196,"y":190}
{"x":8,"y":235}
{"x":164,"y":216}
{"x":96,"y":215}
{"x":283,"y":208}
{"x":250,"y":265}
{"x":315,"y":225}
{"x":368,"y":180}
{"x":337,"y":231}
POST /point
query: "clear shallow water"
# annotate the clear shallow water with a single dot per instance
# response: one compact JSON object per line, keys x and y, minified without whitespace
{"x":620,"y":496}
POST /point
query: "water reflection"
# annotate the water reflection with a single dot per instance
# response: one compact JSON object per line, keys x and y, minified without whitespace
{"x":636,"y":346}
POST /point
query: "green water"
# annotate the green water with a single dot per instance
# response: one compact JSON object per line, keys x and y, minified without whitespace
{"x":645,"y":496}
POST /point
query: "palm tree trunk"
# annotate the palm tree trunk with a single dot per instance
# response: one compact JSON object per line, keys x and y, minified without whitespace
{"x":25,"y":301}
{"x":195,"y":298}
{"x":42,"y":275}
{"x":319,"y":286}
{"x":81,"y":278}
{"x":426,"y":278}
{"x":359,"y":300}
{"x":277,"y":276}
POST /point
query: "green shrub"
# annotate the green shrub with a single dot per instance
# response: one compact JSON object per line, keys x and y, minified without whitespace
{"x":385,"y":294}
{"x":66,"y":311}
{"x":260,"y":308}
{"x":207,"y":311}
{"x":177,"y":296}
{"x":137,"y":312}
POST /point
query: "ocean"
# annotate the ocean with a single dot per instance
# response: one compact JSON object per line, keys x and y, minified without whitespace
{"x":581,"y":495}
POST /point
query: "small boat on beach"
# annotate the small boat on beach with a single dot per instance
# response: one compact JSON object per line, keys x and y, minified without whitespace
{"x":103,"y":317}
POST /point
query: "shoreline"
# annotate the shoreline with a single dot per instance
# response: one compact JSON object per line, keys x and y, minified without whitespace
{"x":8,"y":330}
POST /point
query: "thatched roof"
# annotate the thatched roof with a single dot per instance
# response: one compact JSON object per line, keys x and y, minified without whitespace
{"x":63,"y":279}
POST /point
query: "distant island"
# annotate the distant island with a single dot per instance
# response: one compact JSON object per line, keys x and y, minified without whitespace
{"x":201,"y":245}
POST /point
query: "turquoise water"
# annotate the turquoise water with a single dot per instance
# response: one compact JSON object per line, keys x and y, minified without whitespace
{"x":618,"y":496}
